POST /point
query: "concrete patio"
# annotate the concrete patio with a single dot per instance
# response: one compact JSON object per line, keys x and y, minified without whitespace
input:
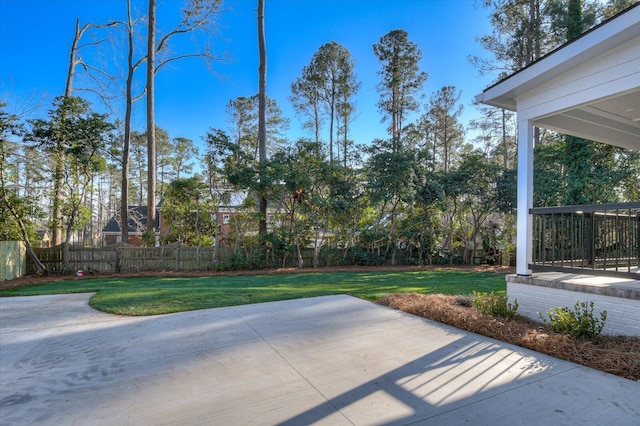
{"x":326,"y":360}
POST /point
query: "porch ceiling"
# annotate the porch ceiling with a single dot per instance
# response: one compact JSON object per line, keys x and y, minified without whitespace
{"x":615,"y":121}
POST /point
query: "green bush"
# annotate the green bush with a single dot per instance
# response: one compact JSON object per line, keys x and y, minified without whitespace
{"x":464,"y":300}
{"x":149,"y":238}
{"x":494,"y":305}
{"x":579,"y":323}
{"x":363,"y":257}
{"x":234,"y":262}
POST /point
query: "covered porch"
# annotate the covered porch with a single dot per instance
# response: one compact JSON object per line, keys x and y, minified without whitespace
{"x":588,"y":88}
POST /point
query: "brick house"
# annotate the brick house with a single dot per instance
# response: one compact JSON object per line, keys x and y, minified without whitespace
{"x":137,"y":226}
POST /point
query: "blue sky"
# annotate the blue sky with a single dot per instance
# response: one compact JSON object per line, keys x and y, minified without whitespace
{"x":35,"y":37}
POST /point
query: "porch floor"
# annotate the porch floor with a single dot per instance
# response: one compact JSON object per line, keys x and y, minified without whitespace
{"x":627,"y":288}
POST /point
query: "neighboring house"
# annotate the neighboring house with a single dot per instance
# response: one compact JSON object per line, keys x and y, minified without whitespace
{"x":112,"y":231}
{"x":590,"y":88}
{"x":45,"y":238}
{"x":228,"y":211}
{"x":233,"y":206}
{"x":225,"y":220}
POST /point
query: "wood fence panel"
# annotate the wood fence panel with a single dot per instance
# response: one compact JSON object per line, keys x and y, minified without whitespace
{"x":135,"y":259}
{"x":51,"y":258}
{"x":99,"y":259}
{"x":13,"y":260}
{"x":177,"y":258}
{"x":189,"y":258}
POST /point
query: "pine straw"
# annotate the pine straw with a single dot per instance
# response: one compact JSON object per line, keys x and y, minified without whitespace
{"x":611,"y":354}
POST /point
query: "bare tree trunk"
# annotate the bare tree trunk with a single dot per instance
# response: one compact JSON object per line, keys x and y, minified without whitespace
{"x":58,"y":171}
{"x":299,"y":253}
{"x":151,"y":128}
{"x":316,"y":121}
{"x":124,"y":198}
{"x":72,"y":58}
{"x":346,"y":140}
{"x":262,"y":120}
{"x":58,"y":197}
{"x":332,"y":110}
{"x":454,"y":213}
{"x":23,"y":230}
{"x":316,"y":249}
{"x":505,"y":153}
{"x":445,"y":144}
{"x":394,"y":122}
{"x":391,"y":234}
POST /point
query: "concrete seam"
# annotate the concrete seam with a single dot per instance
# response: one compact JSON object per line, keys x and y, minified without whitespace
{"x":292,"y":366}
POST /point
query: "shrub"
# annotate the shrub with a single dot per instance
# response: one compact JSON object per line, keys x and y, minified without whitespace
{"x":494,"y":305}
{"x":464,"y":300}
{"x":579,"y":323}
{"x":234,"y":262}
{"x":149,"y":238}
{"x":363,"y":257}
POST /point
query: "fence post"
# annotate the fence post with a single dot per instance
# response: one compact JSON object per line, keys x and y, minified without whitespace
{"x":590,"y":239}
{"x":638,"y":235}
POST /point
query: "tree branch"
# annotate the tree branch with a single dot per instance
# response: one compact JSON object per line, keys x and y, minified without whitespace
{"x":187,"y":55}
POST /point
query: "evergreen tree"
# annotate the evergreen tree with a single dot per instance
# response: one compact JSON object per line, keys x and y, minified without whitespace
{"x":82,"y":134}
{"x":329,"y":83}
{"x":592,"y":170}
{"x":243,"y":118}
{"x":446,"y":132}
{"x":187,"y":208}
{"x":401,"y":80}
{"x":14,"y":210}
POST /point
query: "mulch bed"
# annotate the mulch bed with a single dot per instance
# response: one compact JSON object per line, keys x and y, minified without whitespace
{"x":612,"y":354}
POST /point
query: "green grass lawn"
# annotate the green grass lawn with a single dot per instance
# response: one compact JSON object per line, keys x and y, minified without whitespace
{"x":152,"y":295}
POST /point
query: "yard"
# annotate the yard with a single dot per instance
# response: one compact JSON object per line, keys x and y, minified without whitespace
{"x":428,"y":292}
{"x":161,"y":293}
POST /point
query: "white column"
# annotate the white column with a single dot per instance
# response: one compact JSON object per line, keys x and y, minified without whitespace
{"x":525,"y":197}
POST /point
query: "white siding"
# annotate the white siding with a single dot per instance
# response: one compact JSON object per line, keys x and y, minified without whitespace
{"x":615,"y":72}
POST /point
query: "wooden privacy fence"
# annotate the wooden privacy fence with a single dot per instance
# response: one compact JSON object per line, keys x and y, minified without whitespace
{"x":12,"y":260}
{"x":164,"y":258}
{"x":99,"y":259}
{"x":124,"y":258}
{"x":133,"y":259}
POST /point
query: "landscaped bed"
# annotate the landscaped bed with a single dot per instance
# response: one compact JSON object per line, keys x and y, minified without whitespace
{"x":611,"y":354}
{"x":416,"y":290}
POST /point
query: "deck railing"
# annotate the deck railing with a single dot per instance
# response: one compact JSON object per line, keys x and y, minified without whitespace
{"x":593,"y":239}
